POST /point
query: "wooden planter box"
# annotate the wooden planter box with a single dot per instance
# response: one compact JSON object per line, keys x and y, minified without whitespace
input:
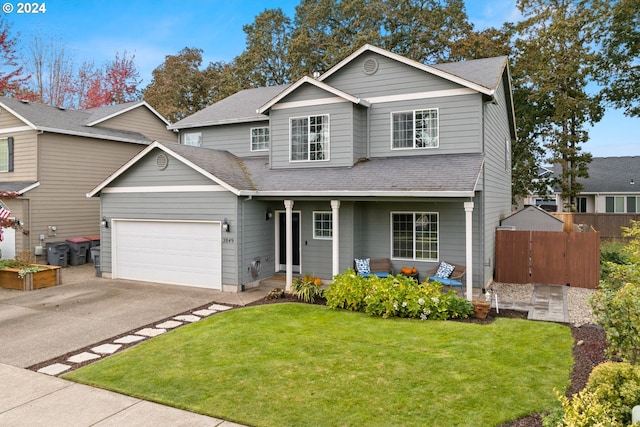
{"x":48,"y":276}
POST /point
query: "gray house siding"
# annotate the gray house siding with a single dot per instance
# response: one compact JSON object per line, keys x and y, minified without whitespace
{"x":235,"y":138}
{"x":391,"y":78}
{"x":497,"y":174}
{"x":460,"y":125}
{"x":258,"y":233}
{"x":340,"y":135}
{"x":142,"y":120}
{"x":360,"y":132}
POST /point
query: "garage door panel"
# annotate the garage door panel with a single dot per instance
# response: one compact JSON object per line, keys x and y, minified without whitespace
{"x":181,"y":253}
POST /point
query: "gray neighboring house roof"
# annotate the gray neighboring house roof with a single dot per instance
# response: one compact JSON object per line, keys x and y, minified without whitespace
{"x":47,"y":118}
{"x":533,"y":218}
{"x":486,"y":72}
{"x":446,"y":175}
{"x":240,"y":107}
{"x":610,"y":175}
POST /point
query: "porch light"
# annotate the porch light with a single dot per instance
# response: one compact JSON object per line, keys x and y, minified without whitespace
{"x":104,"y":222}
{"x":225,"y":225}
{"x":269,"y":214}
{"x":632,"y":181}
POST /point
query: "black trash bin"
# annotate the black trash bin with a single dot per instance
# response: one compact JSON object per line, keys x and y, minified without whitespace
{"x":57,"y":253}
{"x":93,"y":242}
{"x":78,"y":247}
{"x":95,"y":255}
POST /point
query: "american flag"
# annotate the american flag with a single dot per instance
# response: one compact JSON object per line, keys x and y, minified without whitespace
{"x":4,"y":212}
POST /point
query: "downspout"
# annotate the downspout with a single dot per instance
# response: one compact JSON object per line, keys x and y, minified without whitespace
{"x":368,"y":132}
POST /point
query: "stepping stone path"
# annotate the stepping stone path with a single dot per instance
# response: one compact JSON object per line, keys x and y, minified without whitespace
{"x":109,"y":348}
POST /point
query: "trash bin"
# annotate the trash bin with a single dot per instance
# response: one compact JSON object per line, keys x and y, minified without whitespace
{"x":57,"y":253}
{"x":78,"y":247}
{"x":93,"y":242}
{"x":95,"y":255}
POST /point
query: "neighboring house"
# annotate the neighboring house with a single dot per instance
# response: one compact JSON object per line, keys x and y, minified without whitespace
{"x":613,"y":186}
{"x":380,"y":156}
{"x":51,"y":157}
{"x":532,"y":218}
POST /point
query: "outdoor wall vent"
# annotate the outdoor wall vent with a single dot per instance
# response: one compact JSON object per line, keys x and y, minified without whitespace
{"x":370,"y":66}
{"x":162,"y":161}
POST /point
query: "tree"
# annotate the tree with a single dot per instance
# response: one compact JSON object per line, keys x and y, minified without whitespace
{"x":618,"y":68}
{"x":265,"y":59}
{"x":12,"y":77}
{"x":555,"y":61}
{"x":178,"y":87}
{"x":115,"y":83}
{"x":52,"y":72}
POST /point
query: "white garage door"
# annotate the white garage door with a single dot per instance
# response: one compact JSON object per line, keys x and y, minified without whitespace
{"x":178,"y":253}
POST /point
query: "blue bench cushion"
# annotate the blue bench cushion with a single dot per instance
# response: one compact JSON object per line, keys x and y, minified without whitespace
{"x":374,"y":274}
{"x":445,"y":281}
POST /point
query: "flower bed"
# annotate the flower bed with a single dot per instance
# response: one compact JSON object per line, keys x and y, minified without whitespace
{"x":29,"y":278}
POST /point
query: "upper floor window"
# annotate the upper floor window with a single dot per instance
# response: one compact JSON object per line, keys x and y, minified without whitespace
{"x":415,"y":129}
{"x":259,"y":139}
{"x":415,"y":235}
{"x":192,"y":138}
{"x":322,"y":225}
{"x":309,"y":138}
{"x":6,"y":154}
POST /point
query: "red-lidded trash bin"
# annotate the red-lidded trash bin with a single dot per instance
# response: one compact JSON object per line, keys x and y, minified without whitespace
{"x":93,"y":242}
{"x":78,"y":247}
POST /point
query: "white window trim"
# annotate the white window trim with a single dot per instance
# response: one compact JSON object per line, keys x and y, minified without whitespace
{"x":315,"y":236}
{"x":184,"y":139}
{"x":414,"y":129}
{"x":308,"y":133}
{"x":251,"y":139}
{"x":414,"y":213}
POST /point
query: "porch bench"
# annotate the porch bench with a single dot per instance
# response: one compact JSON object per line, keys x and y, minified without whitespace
{"x":380,"y":267}
{"x":454,"y":279}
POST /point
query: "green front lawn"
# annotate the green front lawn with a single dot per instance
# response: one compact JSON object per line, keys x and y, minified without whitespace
{"x":308,"y":365}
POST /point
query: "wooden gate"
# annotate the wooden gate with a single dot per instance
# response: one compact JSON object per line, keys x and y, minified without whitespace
{"x":548,"y":257}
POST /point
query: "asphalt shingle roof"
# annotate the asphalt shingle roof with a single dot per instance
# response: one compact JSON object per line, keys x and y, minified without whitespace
{"x":71,"y":122}
{"x":486,"y":72}
{"x":424,"y":174}
{"x":610,"y":175}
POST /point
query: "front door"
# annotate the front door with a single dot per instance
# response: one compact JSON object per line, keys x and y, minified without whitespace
{"x":282,"y":241}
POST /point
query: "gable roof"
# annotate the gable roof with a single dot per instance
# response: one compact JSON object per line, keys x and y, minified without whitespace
{"x":316,"y":83}
{"x":610,"y":175}
{"x":445,"y":175}
{"x":47,"y":118}
{"x":101,"y":114}
{"x":481,"y":75}
{"x":238,"y":108}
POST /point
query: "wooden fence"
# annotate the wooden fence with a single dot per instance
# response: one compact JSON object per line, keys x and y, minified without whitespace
{"x":607,"y":224}
{"x":548,"y":257}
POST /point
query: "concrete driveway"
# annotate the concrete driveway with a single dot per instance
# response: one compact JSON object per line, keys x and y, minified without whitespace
{"x":36,"y":326}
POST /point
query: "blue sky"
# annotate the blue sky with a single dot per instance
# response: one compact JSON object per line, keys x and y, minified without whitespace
{"x":151,"y":29}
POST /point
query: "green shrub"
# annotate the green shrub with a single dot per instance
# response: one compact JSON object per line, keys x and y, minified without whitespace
{"x":307,"y":288}
{"x":611,"y":393}
{"x":395,"y":296}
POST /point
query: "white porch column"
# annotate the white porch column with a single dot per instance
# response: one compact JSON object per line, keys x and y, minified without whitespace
{"x":335,"y":215}
{"x":468,"y":222}
{"x":288,"y":205}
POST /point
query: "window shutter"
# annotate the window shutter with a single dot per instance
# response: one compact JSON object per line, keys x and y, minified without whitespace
{"x":10,"y":144}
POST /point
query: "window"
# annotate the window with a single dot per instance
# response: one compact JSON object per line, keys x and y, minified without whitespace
{"x":322,"y":225}
{"x":192,"y":138}
{"x":6,"y":154}
{"x":581,"y":204}
{"x":632,"y":204}
{"x":415,"y":236}
{"x":309,"y":138}
{"x":614,"y":204}
{"x":259,"y":139}
{"x":415,"y":129}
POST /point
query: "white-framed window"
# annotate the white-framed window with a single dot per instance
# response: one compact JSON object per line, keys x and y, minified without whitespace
{"x":581,"y":204}
{"x":193,"y":139}
{"x":6,"y":154}
{"x":415,"y":129}
{"x":323,"y":225}
{"x":414,"y":235}
{"x":633,"y":204}
{"x":309,"y":138}
{"x":614,"y":204}
{"x":260,"y":139}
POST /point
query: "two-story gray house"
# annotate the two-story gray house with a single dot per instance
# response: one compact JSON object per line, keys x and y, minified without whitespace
{"x":379,"y":157}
